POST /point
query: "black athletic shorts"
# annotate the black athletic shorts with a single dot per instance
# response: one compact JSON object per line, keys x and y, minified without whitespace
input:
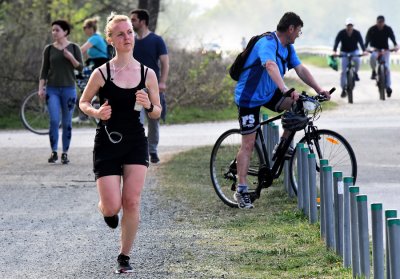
{"x":109,"y":158}
{"x":249,"y":118}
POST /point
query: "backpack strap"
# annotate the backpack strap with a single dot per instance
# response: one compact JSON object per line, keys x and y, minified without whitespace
{"x":256,"y":63}
{"x":283,"y":60}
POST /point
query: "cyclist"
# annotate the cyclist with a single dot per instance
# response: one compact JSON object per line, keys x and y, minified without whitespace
{"x":95,"y":49}
{"x":349,"y":39}
{"x":262,"y":85}
{"x":378,"y":36}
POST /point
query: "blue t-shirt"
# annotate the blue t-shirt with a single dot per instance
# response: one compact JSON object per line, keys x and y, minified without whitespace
{"x":99,"y":47}
{"x":255,"y":87}
{"x":148,"y":50}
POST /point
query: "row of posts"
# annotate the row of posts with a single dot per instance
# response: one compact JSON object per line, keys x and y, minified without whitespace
{"x":344,"y":218}
{"x":343,"y":213}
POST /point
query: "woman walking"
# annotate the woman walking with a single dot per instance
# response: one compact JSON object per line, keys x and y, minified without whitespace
{"x":57,"y":84}
{"x":120,"y":145}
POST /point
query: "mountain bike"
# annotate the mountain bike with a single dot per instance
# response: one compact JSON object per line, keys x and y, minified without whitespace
{"x":34,"y":113}
{"x":381,"y":72}
{"x":350,"y":75}
{"x":326,"y":144}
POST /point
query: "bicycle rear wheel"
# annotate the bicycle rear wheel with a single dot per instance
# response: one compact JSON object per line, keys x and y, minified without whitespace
{"x":223,"y":169}
{"x":331,"y":146}
{"x":34,"y":114}
{"x":381,"y":82}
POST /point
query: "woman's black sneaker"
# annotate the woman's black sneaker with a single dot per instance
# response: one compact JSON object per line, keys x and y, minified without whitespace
{"x":64,"y":158}
{"x":112,"y":221}
{"x":123,"y":264}
{"x":53,"y":157}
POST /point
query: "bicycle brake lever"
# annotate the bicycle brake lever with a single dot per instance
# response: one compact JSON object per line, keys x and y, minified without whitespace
{"x":288,"y":93}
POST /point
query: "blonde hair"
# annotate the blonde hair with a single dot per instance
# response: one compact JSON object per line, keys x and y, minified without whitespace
{"x":113,"y":19}
{"x":91,"y":23}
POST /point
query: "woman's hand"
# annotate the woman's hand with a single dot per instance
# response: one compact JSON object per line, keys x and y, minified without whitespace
{"x":42,"y":92}
{"x":104,"y":112}
{"x":142,"y":97}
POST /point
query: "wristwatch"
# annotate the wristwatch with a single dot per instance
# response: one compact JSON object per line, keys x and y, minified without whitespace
{"x":150,"y":109}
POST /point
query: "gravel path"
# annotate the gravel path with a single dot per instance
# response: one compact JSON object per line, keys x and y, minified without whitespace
{"x":49,"y":223}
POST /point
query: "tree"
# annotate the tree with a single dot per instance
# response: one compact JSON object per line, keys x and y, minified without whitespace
{"x":153,"y":7}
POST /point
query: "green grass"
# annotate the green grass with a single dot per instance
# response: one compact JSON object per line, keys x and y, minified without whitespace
{"x":11,"y":121}
{"x":274,"y":240}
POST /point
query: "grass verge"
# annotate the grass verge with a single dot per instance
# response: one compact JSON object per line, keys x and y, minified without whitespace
{"x":274,"y":240}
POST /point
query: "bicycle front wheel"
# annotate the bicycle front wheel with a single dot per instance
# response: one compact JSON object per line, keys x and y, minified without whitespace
{"x":328,"y":145}
{"x":223,"y":169}
{"x":381,"y":82}
{"x":350,"y":86}
{"x":34,"y":114}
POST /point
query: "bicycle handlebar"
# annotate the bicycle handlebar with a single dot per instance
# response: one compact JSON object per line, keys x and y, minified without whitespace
{"x":382,"y":50}
{"x":347,"y":55}
{"x":304,"y":96}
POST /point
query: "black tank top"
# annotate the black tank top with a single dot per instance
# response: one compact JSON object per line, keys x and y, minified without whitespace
{"x":124,"y":119}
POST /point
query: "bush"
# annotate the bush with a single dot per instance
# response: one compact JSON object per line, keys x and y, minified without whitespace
{"x":197,"y":80}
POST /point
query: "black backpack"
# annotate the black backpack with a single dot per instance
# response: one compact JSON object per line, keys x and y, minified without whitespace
{"x":238,"y":65}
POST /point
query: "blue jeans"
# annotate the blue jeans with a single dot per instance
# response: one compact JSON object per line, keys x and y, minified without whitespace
{"x":153,"y":125}
{"x":386,"y":57}
{"x":343,"y":77}
{"x":60,"y":99}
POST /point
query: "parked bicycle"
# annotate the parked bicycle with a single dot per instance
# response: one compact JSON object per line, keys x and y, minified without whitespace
{"x":326,"y":144}
{"x":350,"y":82}
{"x":381,"y":73}
{"x":34,"y":113}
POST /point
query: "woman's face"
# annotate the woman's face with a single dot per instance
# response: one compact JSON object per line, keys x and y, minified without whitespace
{"x":57,"y":32}
{"x":88,"y":30}
{"x":122,"y":36}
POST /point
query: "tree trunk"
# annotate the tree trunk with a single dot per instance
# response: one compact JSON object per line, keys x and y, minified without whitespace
{"x":153,"y":7}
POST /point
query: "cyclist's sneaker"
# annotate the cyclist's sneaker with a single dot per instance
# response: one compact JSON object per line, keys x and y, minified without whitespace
{"x":154,"y":158}
{"x":112,"y":221}
{"x":53,"y":157}
{"x":64,"y":158}
{"x":389,"y":92}
{"x":373,"y":75}
{"x":123,"y":264}
{"x":344,"y":94}
{"x":243,"y":200}
{"x":356,"y":77}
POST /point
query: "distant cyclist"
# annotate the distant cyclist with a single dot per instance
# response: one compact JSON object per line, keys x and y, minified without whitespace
{"x":378,"y":37}
{"x":349,"y":39}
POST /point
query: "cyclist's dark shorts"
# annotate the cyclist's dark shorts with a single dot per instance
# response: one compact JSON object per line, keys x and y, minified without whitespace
{"x":109,"y":158}
{"x":249,"y":118}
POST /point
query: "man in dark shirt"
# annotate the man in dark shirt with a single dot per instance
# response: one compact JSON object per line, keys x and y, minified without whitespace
{"x":349,"y":39}
{"x":378,"y":36}
{"x":151,"y":51}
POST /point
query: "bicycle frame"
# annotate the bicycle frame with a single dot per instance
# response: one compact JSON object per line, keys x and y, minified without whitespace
{"x":268,"y":173}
